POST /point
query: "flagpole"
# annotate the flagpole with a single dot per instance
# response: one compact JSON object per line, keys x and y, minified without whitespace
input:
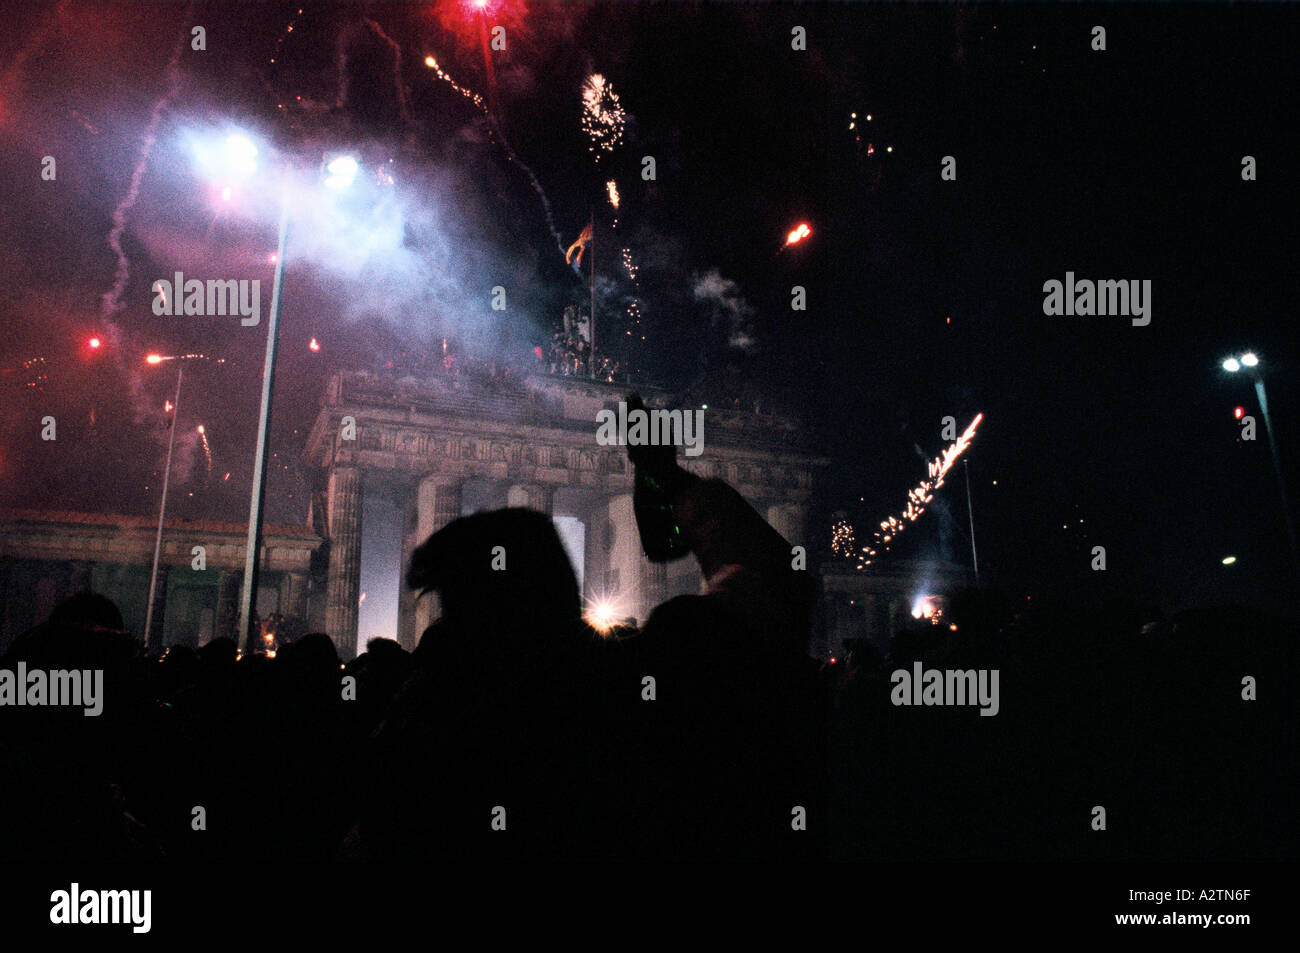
{"x":591,"y":358}
{"x":970,"y":511}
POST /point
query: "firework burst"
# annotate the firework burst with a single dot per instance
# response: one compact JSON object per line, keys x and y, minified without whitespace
{"x":603,"y":116}
{"x":842,"y":538}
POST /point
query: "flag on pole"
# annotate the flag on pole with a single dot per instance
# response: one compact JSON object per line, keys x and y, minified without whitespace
{"x":581,"y":245}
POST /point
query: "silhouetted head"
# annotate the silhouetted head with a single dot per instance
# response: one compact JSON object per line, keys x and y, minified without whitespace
{"x":87,"y":610}
{"x":502,"y":572}
{"x":220,"y":652}
{"x":385,"y":650}
{"x":314,"y":652}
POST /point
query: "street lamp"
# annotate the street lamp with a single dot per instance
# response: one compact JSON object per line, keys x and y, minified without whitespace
{"x":239,"y":157}
{"x":340,"y":173}
{"x":1250,"y":361}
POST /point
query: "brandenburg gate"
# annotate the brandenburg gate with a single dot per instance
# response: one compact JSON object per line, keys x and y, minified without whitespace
{"x":443,"y":447}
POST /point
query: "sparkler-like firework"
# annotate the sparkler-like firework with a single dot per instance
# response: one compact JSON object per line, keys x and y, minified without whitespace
{"x":159,"y":358}
{"x":603,"y":116}
{"x":612,"y":188}
{"x":798,"y":234}
{"x":919,"y":497}
{"x":443,"y":75}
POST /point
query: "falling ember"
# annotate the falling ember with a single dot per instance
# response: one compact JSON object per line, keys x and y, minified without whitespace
{"x":167,"y":406}
{"x":37,"y":378}
{"x":207,"y":450}
{"x":603,"y":116}
{"x":798,"y":234}
{"x":921,"y":495}
{"x":94,"y":343}
{"x":314,"y":345}
{"x":612,"y":188}
{"x":225,"y":478}
{"x":361,"y":600}
{"x":272,"y":258}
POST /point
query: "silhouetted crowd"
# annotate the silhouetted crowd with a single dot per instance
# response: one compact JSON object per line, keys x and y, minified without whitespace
{"x":514,"y":731}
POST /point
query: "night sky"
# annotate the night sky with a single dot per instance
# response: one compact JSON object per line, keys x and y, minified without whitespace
{"x":925,"y":297}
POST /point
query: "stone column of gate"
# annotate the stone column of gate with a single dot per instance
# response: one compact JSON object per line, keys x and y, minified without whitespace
{"x":293,"y":595}
{"x":343,"y":589}
{"x":624,"y":559}
{"x":438,"y":503}
{"x":406,"y":631}
{"x":229,"y":582}
{"x":157,"y":638}
{"x":788,"y":520}
{"x":80,"y":573}
{"x":654,"y":584}
{"x":595,"y":556}
{"x":535,"y":496}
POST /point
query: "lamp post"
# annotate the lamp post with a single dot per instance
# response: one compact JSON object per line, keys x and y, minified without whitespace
{"x":1250,"y":361}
